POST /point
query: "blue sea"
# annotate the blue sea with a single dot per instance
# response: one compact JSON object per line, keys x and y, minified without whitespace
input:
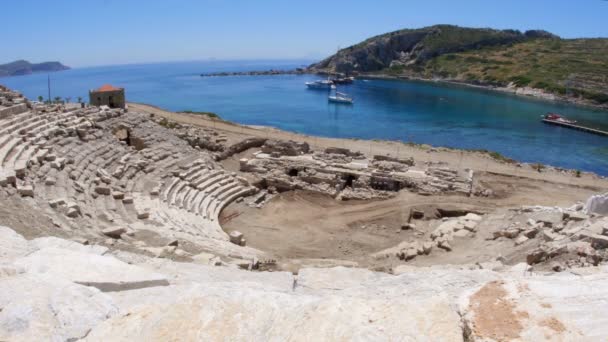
{"x":420,"y":112}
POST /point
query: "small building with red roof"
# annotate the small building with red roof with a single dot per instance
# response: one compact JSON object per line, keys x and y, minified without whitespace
{"x":108,"y":95}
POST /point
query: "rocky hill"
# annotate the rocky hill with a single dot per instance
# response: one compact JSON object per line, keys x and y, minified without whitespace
{"x":570,"y":68}
{"x":23,"y":67}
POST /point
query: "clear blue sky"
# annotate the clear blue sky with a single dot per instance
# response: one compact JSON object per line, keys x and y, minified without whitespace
{"x":84,"y":32}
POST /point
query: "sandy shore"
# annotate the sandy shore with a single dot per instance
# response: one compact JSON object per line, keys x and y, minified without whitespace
{"x":477,"y":161}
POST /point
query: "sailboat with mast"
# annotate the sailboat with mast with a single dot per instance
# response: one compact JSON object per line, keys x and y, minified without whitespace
{"x":339,"y":97}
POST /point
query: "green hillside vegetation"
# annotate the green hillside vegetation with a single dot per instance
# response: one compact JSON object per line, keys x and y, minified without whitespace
{"x":565,"y":67}
{"x":574,"y":68}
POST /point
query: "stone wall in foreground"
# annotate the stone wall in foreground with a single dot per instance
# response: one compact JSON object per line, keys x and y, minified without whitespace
{"x":54,"y":289}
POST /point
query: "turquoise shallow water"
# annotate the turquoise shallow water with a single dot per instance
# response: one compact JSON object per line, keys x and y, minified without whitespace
{"x":421,"y":112}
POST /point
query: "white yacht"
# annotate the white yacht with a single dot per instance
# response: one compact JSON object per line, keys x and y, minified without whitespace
{"x":341,"y":98}
{"x":323,"y":84}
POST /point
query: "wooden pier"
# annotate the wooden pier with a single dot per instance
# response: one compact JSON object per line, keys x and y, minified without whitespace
{"x":580,"y":128}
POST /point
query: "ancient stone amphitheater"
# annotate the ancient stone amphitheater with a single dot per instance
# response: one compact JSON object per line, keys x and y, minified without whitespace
{"x":113,"y":234}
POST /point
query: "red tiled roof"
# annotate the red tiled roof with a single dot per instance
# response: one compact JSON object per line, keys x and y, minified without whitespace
{"x":108,"y":87}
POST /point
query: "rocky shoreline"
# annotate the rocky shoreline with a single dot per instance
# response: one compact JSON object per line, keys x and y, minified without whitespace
{"x":520,"y":91}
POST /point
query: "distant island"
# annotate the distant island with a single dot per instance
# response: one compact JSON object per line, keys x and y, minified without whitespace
{"x":535,"y":63}
{"x":23,"y":67}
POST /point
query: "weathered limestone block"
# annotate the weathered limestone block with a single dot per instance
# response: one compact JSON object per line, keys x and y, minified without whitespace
{"x":49,"y":308}
{"x":118,"y":195}
{"x":73,"y":205}
{"x":596,"y":240}
{"x":56,"y":203}
{"x":25,"y":190}
{"x":72,"y":213}
{"x":103,"y":190}
{"x":236,"y":237}
{"x":78,"y":187}
{"x":114,"y":232}
{"x":103,"y":272}
{"x":521,"y":239}
{"x":143,"y":214}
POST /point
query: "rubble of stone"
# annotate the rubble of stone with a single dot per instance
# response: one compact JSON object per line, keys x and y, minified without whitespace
{"x":440,"y":237}
{"x":342,"y":174}
{"x":61,"y":290}
{"x":565,"y":238}
{"x":284,"y":148}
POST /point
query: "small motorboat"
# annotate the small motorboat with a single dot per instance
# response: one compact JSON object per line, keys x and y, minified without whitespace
{"x":558,"y":118}
{"x":324,"y":84}
{"x":343,"y":80}
{"x":340,"y":98}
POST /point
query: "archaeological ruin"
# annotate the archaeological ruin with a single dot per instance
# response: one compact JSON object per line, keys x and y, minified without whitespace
{"x":135,"y":223}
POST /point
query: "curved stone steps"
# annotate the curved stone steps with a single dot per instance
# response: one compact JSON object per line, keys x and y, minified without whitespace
{"x":214,"y":210}
{"x":83,"y":164}
{"x":197,"y":175}
{"x":154,"y":176}
{"x":48,"y":131}
{"x":50,"y":123}
{"x":6,"y":150}
{"x":190,"y":200}
{"x":178,"y":190}
{"x":13,"y":119}
{"x":244,"y":192}
{"x":205,"y":177}
{"x":42,"y":122}
{"x":185,"y":201}
{"x":24,"y":160}
{"x":83,"y":157}
{"x":196,"y":202}
{"x":193,"y":170}
{"x":111,"y":163}
{"x":60,"y":189}
{"x":14,"y":154}
{"x":209,"y":196}
{"x":16,"y":123}
{"x":4,"y":139}
{"x":212,"y":180}
{"x":219,"y":194}
{"x":170,"y":185}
